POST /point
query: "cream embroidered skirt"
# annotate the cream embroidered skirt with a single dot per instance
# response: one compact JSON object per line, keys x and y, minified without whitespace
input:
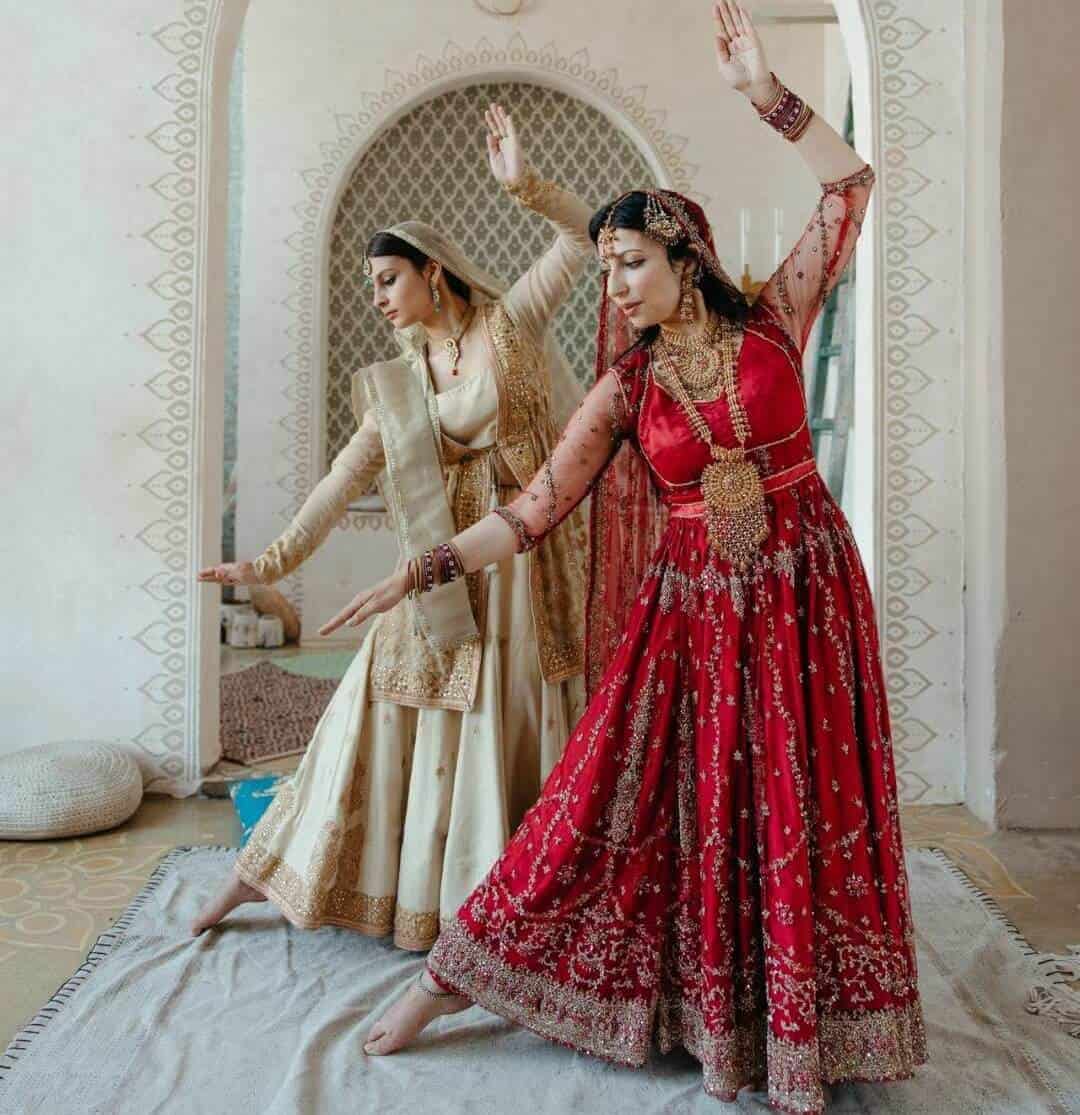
{"x":395,"y":814}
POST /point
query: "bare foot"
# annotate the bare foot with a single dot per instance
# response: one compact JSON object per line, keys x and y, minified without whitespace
{"x":235,"y":893}
{"x":401,"y":1024}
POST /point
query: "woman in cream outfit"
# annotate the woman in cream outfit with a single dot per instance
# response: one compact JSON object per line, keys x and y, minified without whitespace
{"x":448,"y":720}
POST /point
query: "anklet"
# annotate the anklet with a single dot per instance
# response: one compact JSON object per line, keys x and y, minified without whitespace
{"x":434,"y":994}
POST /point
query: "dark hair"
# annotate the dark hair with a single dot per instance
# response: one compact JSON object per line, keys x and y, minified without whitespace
{"x":629,"y":212}
{"x":387,"y":244}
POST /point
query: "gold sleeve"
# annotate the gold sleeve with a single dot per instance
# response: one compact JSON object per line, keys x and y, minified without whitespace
{"x":535,"y":296}
{"x":349,"y":477}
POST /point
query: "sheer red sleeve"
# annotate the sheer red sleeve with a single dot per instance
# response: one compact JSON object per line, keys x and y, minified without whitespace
{"x":797,"y":290}
{"x":583,"y":451}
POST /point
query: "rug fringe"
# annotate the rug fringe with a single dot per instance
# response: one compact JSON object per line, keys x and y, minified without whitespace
{"x":1049,"y":994}
{"x":1053,"y":998}
{"x":98,"y":952}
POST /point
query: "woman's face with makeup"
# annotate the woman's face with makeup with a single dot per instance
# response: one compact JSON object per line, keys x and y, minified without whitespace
{"x":641,"y":280}
{"x":401,"y":291}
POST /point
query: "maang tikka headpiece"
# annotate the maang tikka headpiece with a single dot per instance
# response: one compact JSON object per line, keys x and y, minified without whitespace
{"x":660,"y":225}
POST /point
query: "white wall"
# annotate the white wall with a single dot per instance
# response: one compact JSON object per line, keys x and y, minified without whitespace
{"x":984,"y":455}
{"x":101,"y":412}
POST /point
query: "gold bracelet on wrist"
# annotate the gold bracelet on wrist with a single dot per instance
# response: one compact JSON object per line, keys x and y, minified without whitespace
{"x":775,"y":99}
{"x":530,"y":189}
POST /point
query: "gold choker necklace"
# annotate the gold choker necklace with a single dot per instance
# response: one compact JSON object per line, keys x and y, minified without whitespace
{"x":696,"y":359}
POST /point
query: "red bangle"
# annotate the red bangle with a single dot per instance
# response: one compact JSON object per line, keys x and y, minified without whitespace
{"x":787,"y":113}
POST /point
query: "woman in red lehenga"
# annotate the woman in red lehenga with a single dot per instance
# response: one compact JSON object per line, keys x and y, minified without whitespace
{"x":716,"y":861}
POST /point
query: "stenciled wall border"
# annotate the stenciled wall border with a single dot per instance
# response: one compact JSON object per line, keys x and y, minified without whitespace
{"x":182,"y":140}
{"x":917,"y":96}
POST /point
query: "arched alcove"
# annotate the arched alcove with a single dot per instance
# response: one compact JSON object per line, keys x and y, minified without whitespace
{"x":429,"y":165}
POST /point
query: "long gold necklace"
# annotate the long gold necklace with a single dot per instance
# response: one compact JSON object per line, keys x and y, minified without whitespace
{"x":452,"y":344}
{"x":735,"y":518}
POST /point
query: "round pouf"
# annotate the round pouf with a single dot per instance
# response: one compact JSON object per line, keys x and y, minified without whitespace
{"x":66,"y":789}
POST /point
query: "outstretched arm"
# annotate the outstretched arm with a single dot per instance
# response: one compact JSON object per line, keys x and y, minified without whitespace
{"x":536,"y":295}
{"x":349,"y":477}
{"x":798,"y":289}
{"x":587,"y":444}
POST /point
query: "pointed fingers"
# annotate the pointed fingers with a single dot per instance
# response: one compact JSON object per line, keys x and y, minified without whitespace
{"x":361,"y":614}
{"x":332,"y":625}
{"x":718,"y":21}
{"x":724,"y":9}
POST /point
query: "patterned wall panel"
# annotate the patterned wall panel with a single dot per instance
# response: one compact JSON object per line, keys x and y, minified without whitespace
{"x":432,"y":166}
{"x":919,"y":97}
{"x":169,"y":735}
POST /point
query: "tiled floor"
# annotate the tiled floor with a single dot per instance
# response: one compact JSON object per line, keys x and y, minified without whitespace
{"x":55,"y":898}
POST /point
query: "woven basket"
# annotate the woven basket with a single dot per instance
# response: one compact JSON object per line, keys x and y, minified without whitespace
{"x":66,"y":789}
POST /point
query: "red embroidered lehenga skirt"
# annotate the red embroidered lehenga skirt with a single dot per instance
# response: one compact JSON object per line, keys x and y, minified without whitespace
{"x":716,"y":861}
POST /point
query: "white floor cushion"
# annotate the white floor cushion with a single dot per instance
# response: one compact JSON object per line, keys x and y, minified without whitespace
{"x":66,"y":789}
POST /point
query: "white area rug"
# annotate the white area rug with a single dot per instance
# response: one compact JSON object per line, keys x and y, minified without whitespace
{"x":264,"y":1018}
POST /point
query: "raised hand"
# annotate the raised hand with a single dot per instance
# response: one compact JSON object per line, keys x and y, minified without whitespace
{"x":381,"y":598}
{"x":505,"y":153}
{"x":740,"y":57}
{"x":230,"y":573}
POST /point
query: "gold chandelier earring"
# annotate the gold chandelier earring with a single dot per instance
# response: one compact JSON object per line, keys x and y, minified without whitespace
{"x":687,"y":306}
{"x":436,"y":297}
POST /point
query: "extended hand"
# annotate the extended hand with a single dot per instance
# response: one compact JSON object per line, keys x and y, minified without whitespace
{"x":740,"y":57}
{"x":505,"y":153}
{"x":370,"y":602}
{"x":230,"y":573}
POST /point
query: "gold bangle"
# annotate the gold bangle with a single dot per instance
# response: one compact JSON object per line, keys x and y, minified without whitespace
{"x":777,"y":97}
{"x":788,"y":114}
{"x":530,"y":189}
{"x":798,"y":129}
{"x":458,"y":558}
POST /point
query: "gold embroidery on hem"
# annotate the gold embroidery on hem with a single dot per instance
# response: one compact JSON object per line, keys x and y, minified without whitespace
{"x":617,"y":1030}
{"x":880,"y":1045}
{"x":415,"y":930}
{"x":309,"y":909}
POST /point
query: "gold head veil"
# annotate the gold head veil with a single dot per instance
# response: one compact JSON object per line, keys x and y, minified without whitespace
{"x":566,"y":392}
